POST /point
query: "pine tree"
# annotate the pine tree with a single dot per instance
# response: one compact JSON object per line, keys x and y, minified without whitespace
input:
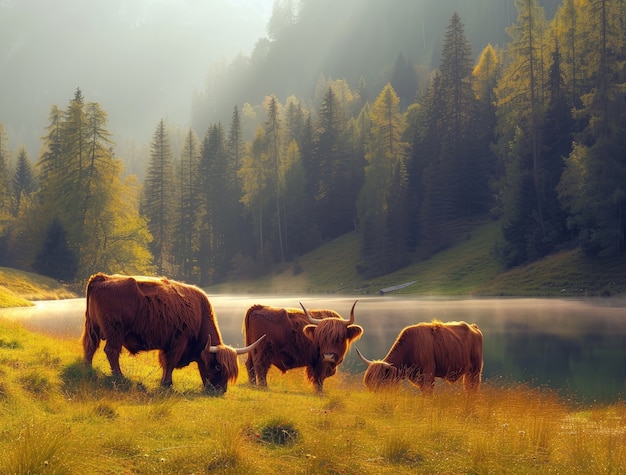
{"x":81,"y":187}
{"x":274,"y":139}
{"x":187,"y":240}
{"x":23,"y":180}
{"x":521,"y":95}
{"x":56,"y":260}
{"x":382,"y":201}
{"x":256,"y":186}
{"x":592,"y":185}
{"x":159,"y":199}
{"x":235,"y":227}
{"x":217,"y":222}
{"x":292,"y":190}
{"x":450,"y":153}
{"x":5,"y":195}
{"x":334,"y":196}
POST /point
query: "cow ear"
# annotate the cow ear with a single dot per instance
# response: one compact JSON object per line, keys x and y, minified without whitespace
{"x":309,"y":331}
{"x":354,"y":332}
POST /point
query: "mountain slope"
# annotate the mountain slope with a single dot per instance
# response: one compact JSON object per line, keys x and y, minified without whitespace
{"x":467,"y":268}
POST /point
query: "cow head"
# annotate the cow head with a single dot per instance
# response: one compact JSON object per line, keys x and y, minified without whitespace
{"x":218,"y":365}
{"x":332,"y":337}
{"x":379,"y":374}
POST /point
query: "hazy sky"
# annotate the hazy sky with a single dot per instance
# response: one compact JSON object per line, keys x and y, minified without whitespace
{"x":140,"y":59}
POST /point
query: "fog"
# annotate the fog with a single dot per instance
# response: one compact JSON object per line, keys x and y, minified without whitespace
{"x":575,"y":346}
{"x":140,"y":59}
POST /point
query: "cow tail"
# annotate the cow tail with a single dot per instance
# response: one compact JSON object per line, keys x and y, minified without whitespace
{"x":91,"y":336}
{"x":246,"y":322}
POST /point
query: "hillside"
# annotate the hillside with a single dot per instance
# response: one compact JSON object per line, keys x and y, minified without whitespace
{"x":18,"y":288}
{"x":467,"y":268}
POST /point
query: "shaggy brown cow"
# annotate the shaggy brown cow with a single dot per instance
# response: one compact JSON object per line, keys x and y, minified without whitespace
{"x":146,"y":313}
{"x":316,"y":339}
{"x":425,"y":351}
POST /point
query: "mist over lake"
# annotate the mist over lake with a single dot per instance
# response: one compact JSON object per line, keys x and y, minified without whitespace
{"x":575,"y":346}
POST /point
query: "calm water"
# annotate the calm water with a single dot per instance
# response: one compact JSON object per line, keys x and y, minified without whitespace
{"x":575,"y":346}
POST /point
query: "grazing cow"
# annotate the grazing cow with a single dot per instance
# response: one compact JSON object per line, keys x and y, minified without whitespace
{"x":427,"y":351}
{"x":316,"y":339}
{"x":146,"y":313}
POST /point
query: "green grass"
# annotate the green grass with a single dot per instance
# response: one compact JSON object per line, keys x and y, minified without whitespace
{"x":466,"y":268}
{"x":18,"y":288}
{"x":57,"y":417}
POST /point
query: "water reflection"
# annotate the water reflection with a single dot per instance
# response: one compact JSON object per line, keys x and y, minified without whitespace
{"x":577,"y":346}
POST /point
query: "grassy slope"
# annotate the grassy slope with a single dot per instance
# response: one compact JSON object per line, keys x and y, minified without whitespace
{"x":18,"y":288}
{"x":466,"y":268}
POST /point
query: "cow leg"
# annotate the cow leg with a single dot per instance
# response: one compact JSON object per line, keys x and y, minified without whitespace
{"x":91,"y":341}
{"x":428,"y":383}
{"x":317,"y":378}
{"x":471,"y":381}
{"x":166,"y":377}
{"x":169,"y":360}
{"x":260,"y":371}
{"x":112,"y":349}
{"x":250,"y":369}
{"x":423,"y":380}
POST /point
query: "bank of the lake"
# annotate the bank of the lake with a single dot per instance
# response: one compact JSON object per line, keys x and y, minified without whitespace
{"x":576,"y":347}
{"x":466,"y":268}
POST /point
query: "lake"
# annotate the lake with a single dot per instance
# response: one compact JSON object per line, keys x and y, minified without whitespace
{"x":577,"y":346}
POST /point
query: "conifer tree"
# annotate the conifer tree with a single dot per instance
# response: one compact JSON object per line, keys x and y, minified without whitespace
{"x":450,"y":153}
{"x":5,"y":195}
{"x":291,"y":182}
{"x":159,"y":199}
{"x":216,"y":207}
{"x":235,"y":226}
{"x":256,"y":191}
{"x":335,"y":197}
{"x":274,"y":144}
{"x":81,"y":187}
{"x":382,"y":201}
{"x":55,"y":259}
{"x":23,"y":180}
{"x":187,"y":240}
{"x":592,"y":185}
{"x":521,"y":101}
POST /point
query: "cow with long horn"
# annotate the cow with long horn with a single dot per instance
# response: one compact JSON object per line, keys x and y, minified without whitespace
{"x":316,"y":339}
{"x":427,"y":351}
{"x":146,"y":313}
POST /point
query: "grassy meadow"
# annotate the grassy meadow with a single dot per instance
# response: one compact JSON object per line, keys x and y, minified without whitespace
{"x":56,"y":417}
{"x":59,"y":418}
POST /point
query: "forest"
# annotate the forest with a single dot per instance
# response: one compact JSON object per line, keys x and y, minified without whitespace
{"x":531,"y":133}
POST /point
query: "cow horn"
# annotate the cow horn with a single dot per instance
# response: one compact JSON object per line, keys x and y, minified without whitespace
{"x":212,"y":349}
{"x":368,"y":362}
{"x":363,"y":358}
{"x":239,"y":351}
{"x":243,"y":351}
{"x":313,"y":321}
{"x":351,"y":321}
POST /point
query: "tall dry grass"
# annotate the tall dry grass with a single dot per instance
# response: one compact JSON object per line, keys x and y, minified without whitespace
{"x":59,"y":418}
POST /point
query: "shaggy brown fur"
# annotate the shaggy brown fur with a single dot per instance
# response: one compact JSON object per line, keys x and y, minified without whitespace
{"x":146,"y":313}
{"x":293,"y":342}
{"x":427,"y":351}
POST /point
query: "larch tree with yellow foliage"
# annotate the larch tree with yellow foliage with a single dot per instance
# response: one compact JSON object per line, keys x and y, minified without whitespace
{"x":382,"y":205}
